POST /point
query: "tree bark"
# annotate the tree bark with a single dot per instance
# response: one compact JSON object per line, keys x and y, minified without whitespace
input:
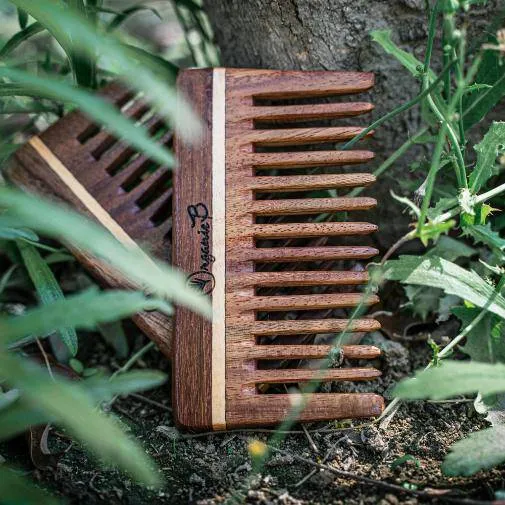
{"x":334,"y":35}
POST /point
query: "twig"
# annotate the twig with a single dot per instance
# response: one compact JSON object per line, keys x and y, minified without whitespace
{"x":46,"y":358}
{"x":312,"y":444}
{"x":133,"y":359}
{"x":385,"y":485}
{"x":150,"y":402}
{"x":403,"y":240}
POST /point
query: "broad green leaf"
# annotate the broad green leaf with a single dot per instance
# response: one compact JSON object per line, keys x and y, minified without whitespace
{"x":62,"y":223}
{"x":451,"y":278}
{"x":492,"y":72}
{"x":486,"y":342}
{"x":138,"y":73}
{"x":451,"y":249}
{"x":453,"y":378}
{"x":70,"y":407}
{"x":47,"y":288}
{"x":480,"y":450}
{"x":19,"y":37}
{"x":9,"y":233}
{"x":491,"y":146}
{"x":409,"y":61}
{"x":84,"y":310}
{"x":8,"y":398}
{"x":15,"y":489}
{"x":97,"y":108}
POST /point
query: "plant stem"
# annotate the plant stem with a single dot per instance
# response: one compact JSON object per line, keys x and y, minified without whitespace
{"x":394,"y":157}
{"x":133,"y":359}
{"x":432,"y":175}
{"x":398,"y":110}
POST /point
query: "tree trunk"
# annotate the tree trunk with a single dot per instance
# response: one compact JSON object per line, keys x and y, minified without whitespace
{"x":334,"y":35}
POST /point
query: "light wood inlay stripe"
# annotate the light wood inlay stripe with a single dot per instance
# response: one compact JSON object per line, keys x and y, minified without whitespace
{"x":218,"y":250}
{"x":81,"y":193}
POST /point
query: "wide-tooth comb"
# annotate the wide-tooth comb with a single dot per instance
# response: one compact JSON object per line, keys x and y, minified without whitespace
{"x":219,"y":221}
{"x":88,"y":168}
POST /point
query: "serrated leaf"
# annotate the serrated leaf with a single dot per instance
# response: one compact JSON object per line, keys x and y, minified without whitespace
{"x":485,"y":235}
{"x":47,"y":288}
{"x":491,"y":146}
{"x":451,"y":278}
{"x":491,"y":71}
{"x":84,"y":310}
{"x":423,"y":301}
{"x":480,"y":450}
{"x":485,"y":342}
{"x":433,"y":231}
{"x":453,"y":378}
{"x":451,"y":249}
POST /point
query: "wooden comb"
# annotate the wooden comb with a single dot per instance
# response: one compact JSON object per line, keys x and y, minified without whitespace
{"x":83,"y":165}
{"x":229,"y":195}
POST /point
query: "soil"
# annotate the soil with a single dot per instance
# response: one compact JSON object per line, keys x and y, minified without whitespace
{"x":216,"y":468}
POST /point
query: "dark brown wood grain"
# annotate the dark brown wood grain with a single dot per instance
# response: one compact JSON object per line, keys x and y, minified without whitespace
{"x":67,"y":140}
{"x":192,"y":347}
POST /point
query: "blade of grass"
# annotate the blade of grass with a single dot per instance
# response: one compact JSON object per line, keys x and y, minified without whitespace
{"x":30,"y":85}
{"x":48,"y":290}
{"x":68,"y":226}
{"x":70,"y":407}
{"x":137,"y":72}
{"x":85,"y":310}
{"x":19,"y":37}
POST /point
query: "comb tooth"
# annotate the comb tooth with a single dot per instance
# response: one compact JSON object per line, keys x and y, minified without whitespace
{"x":307,"y":112}
{"x":309,"y":159}
{"x":306,"y":182}
{"x":308,"y":302}
{"x":328,"y":253}
{"x":273,"y":409}
{"x":294,"y":230}
{"x":304,"y":375}
{"x":310,"y":205}
{"x":309,"y":326}
{"x":151,"y":181}
{"x":274,"y":84}
{"x":302,"y":136}
{"x":161,"y":201}
{"x":279,"y":352}
{"x":300,"y":278}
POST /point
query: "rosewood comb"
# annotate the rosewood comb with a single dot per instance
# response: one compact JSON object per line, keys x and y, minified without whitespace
{"x":230,"y":194}
{"x":84,"y":166}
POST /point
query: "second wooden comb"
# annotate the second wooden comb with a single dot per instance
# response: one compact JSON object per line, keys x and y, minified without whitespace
{"x":223,"y":209}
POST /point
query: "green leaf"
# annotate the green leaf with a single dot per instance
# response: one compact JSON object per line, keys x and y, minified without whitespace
{"x":453,"y":378}
{"x":484,"y":234}
{"x":22,"y":18}
{"x":404,"y":459}
{"x":492,"y":72}
{"x":95,"y":107}
{"x":70,"y":407}
{"x":138,"y":73}
{"x":84,"y":310}
{"x":9,"y":233}
{"x":66,"y":225}
{"x":486,"y":342}
{"x":15,"y":489}
{"x":433,"y":231}
{"x":21,"y":414}
{"x":451,"y":278}
{"x":19,"y":37}
{"x":451,"y":249}
{"x":122,"y":16}
{"x":480,"y":450}
{"x":409,"y":61}
{"x":47,"y":288}
{"x":491,"y":146}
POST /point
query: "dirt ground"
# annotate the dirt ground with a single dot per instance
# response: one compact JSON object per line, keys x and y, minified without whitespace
{"x":208,"y":468}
